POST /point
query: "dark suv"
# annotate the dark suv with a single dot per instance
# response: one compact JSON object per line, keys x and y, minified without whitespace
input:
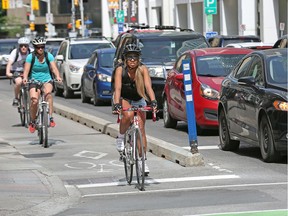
{"x":223,"y":40}
{"x":160,"y":48}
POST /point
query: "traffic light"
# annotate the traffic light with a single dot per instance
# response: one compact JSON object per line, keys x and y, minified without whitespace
{"x":76,"y":2}
{"x":78,"y":23}
{"x":32,"y":26}
{"x":35,"y":5}
{"x":46,"y":28}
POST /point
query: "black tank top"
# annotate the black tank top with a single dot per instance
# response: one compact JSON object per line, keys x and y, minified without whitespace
{"x":128,"y":89}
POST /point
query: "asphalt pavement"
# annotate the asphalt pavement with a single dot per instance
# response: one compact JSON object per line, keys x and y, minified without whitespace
{"x":30,"y":189}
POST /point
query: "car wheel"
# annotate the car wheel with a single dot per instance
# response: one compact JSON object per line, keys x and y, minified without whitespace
{"x":96,"y":101}
{"x":84,"y":98}
{"x":67,"y":93}
{"x":169,"y":122}
{"x":58,"y":91}
{"x":226,"y":143}
{"x":266,"y":142}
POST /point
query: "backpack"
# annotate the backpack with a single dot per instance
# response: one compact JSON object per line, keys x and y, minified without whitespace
{"x":17,"y":54}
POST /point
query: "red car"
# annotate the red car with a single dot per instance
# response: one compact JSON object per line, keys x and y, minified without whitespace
{"x":209,"y":66}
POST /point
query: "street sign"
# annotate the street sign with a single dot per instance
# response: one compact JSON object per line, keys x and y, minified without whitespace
{"x":211,"y":34}
{"x":120,"y":27}
{"x":120,"y":16}
{"x":210,"y":6}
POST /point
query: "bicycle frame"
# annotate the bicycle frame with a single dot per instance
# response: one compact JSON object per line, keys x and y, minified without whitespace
{"x":134,"y":148}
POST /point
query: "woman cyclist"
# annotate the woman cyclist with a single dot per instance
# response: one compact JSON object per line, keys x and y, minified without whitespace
{"x":131,"y":80}
{"x":40,"y":71}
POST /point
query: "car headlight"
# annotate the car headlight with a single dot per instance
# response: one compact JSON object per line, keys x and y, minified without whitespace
{"x":156,"y":72}
{"x":75,"y":69}
{"x":104,"y":77}
{"x":281,"y":105}
{"x":208,"y":92}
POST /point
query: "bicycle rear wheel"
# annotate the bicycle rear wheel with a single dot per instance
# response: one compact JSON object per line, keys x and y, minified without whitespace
{"x":45,"y":126}
{"x":21,"y":108}
{"x":140,"y":161}
{"x":128,"y":158}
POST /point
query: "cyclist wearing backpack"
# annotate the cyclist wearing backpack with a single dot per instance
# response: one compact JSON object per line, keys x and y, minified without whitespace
{"x":38,"y":66}
{"x":16,"y":60}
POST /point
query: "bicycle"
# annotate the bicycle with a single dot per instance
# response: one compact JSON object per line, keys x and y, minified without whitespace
{"x":42,"y":114}
{"x":133,"y":153}
{"x":23,"y":106}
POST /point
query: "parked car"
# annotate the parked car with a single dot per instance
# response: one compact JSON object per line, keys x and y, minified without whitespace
{"x":160,"y":48}
{"x":73,"y":53}
{"x":209,"y":66}
{"x":254,"y":103}
{"x":96,"y":77}
{"x":223,"y":40}
{"x":6,"y":46}
{"x":282,"y":42}
{"x":252,"y":45}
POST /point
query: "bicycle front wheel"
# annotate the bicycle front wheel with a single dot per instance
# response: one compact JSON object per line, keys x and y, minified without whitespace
{"x":140,"y":159}
{"x":128,"y":158}
{"x":45,"y":126}
{"x":21,"y":108}
{"x":26,"y":108}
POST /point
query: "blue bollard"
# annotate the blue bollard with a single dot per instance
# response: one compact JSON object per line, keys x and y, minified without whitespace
{"x":190,"y":112}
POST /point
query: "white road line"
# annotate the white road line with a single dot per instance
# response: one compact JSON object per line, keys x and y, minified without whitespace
{"x":203,"y":147}
{"x":186,"y":189}
{"x":156,"y":181}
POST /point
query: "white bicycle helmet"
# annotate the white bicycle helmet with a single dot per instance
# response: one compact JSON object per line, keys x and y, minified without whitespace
{"x":39,"y":41}
{"x":132,"y":48}
{"x":23,"y":40}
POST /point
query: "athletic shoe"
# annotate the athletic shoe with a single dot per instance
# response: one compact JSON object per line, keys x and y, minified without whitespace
{"x":120,"y":144}
{"x":15,"y":102}
{"x":32,"y":127}
{"x":52,"y":122}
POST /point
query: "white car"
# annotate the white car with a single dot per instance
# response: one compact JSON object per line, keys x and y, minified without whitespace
{"x":72,"y":55}
{"x":251,"y":45}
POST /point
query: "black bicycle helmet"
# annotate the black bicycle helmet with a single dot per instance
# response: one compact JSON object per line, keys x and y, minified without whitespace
{"x":132,"y":48}
{"x":39,"y":41}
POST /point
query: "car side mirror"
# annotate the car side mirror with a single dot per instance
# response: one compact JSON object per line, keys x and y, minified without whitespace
{"x":248,"y":80}
{"x":60,"y":58}
{"x":179,"y":77}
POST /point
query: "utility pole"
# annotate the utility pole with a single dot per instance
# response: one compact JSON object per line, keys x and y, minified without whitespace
{"x":49,"y":19}
{"x":73,"y":16}
{"x":82,"y":17}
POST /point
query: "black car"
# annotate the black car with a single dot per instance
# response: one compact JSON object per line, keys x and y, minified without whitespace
{"x":160,"y":47}
{"x":96,"y":77}
{"x":6,"y":46}
{"x":254,"y":103}
{"x":223,"y":40}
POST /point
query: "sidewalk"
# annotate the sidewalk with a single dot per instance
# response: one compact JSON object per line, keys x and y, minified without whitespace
{"x":29,"y":189}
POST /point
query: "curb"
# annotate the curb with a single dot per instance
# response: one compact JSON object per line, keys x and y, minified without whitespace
{"x":156,"y":146}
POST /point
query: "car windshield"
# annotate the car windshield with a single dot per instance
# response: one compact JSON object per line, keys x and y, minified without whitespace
{"x":84,"y":51}
{"x":227,"y":41}
{"x":277,"y":70}
{"x":217,"y":65}
{"x":106,"y":60}
{"x":7,"y":47}
{"x":168,"y":49}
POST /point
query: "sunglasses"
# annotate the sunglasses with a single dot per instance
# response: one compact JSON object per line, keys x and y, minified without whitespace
{"x":23,"y":45}
{"x":129,"y":58}
{"x":40,"y":47}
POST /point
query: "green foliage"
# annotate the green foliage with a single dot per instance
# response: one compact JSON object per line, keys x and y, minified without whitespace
{"x":10,"y":27}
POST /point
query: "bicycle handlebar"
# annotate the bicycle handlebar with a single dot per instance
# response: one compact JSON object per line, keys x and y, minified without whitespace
{"x":136,"y":109}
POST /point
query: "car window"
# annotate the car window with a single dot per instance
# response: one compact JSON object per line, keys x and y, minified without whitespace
{"x":7,"y":47}
{"x":83,"y":51}
{"x":62,"y":50}
{"x":106,"y":60}
{"x":217,"y":65}
{"x":256,"y":70}
{"x":227,"y":41}
{"x":277,"y":70}
{"x":243,"y":68}
{"x":168,"y":49}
